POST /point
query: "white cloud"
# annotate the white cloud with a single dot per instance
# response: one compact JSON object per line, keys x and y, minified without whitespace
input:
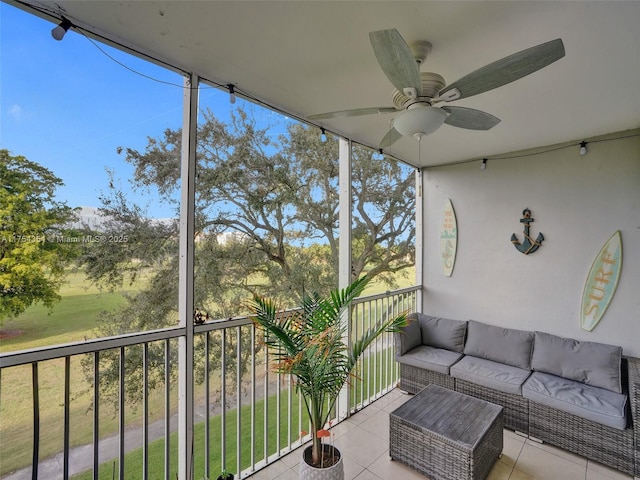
{"x":15,"y":111}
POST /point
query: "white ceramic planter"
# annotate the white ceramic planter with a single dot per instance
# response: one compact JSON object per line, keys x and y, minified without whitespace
{"x":308,"y":472}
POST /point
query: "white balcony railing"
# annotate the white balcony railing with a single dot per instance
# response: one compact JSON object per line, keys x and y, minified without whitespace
{"x":247,"y":416}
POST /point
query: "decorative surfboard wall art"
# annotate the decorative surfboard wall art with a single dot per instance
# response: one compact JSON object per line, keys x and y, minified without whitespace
{"x":601,"y":283}
{"x":528,"y":245}
{"x":448,"y":238}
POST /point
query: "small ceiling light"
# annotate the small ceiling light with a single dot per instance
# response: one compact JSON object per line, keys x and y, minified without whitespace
{"x":483,"y":165}
{"x":583,"y":148}
{"x":323,"y":135}
{"x":59,"y":31}
{"x":232,"y":93}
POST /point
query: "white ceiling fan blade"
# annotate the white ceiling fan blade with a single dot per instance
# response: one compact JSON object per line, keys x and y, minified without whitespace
{"x":396,"y":60}
{"x":470,"y":118}
{"x":506,"y":70}
{"x":352,"y":113}
{"x":390,"y":138}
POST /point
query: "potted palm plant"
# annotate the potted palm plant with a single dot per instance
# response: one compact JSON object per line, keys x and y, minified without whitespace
{"x":307,"y":343}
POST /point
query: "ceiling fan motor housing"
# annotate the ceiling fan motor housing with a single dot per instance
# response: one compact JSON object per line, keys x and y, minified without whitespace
{"x":432,"y":83}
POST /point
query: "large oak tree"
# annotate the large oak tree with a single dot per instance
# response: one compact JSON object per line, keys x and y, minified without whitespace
{"x":276,"y":199}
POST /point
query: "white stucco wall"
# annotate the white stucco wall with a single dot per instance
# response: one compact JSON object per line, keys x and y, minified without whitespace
{"x":577,"y":202}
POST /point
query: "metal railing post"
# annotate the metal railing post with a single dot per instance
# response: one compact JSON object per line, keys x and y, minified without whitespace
{"x":185,"y":299}
{"x":344,"y":248}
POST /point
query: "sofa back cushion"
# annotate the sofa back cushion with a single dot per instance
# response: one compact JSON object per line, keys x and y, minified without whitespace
{"x":409,"y":336}
{"x":504,"y":345}
{"x":442,"y":332}
{"x":595,"y":364}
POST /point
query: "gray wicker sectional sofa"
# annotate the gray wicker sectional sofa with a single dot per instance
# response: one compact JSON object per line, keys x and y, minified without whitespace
{"x":583,"y":397}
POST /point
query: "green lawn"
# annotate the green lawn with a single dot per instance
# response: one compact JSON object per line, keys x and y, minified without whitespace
{"x":73,"y":319}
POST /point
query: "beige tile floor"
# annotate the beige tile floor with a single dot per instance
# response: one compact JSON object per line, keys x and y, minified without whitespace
{"x":364,"y":441}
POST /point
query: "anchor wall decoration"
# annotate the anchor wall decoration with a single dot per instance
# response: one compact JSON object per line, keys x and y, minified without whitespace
{"x":529,"y":245}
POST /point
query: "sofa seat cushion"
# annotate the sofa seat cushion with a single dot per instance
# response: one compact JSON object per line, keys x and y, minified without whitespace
{"x":430,"y":358}
{"x":490,"y":374}
{"x":593,"y":403}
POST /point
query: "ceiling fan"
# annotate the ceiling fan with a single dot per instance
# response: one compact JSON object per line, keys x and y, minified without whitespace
{"x":417,"y":92}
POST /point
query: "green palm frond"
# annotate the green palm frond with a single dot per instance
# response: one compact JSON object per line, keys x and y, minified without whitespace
{"x":309,"y":344}
{"x":359,"y":346}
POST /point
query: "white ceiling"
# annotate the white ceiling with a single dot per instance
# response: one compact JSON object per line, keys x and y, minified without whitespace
{"x":308,"y":57}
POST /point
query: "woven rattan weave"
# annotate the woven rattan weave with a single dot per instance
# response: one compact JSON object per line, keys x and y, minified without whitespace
{"x":634,"y":397}
{"x":414,"y":379}
{"x":595,"y":441}
{"x":516,"y":407}
{"x":447,"y":435}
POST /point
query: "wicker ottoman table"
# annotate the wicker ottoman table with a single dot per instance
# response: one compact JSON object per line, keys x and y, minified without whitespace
{"x":447,"y":435}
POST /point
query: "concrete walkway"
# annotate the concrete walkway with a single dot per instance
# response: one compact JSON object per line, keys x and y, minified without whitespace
{"x":81,"y":458}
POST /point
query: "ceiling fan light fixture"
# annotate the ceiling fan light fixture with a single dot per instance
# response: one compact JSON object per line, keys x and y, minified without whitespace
{"x":420,"y":121}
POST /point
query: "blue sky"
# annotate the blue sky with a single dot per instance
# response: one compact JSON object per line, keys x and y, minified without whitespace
{"x":67,"y":106}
